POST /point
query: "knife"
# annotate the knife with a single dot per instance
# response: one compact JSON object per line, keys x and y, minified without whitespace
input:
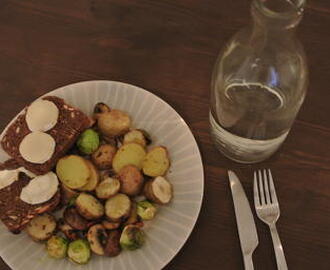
{"x":245,"y":223}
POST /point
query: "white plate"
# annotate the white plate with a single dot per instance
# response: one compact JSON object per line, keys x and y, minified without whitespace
{"x":167,"y":233}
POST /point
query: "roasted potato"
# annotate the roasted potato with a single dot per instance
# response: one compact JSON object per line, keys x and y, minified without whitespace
{"x":67,"y":230}
{"x":131,"y":180}
{"x":156,"y":162}
{"x":133,"y":216}
{"x":42,"y":227}
{"x":113,"y":123}
{"x":118,"y":207}
{"x":74,"y":219}
{"x":112,"y":247}
{"x":89,"y":207}
{"x":110,"y":225}
{"x":103,"y":156}
{"x":93,"y":180}
{"x":107,"y":188}
{"x":73,"y":171}
{"x":100,"y":108}
{"x":135,"y":136}
{"x":128,"y":154}
{"x":97,"y":238}
{"x":158,"y":190}
{"x":79,"y":251}
{"x":67,"y":194}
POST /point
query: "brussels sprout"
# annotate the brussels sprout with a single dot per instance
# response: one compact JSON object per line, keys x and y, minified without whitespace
{"x":79,"y":251}
{"x":146,"y":210}
{"x":132,"y":238}
{"x":88,"y":141}
{"x":57,"y":247}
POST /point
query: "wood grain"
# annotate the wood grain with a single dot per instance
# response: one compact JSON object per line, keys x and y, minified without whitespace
{"x":170,"y":47}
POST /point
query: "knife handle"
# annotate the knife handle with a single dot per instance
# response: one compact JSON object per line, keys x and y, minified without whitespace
{"x":248,"y":263}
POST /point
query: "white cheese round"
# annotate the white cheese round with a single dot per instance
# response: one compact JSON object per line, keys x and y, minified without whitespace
{"x":42,"y":115}
{"x":27,"y":172}
{"x":7,"y":177}
{"x":37,"y":147}
{"x":40,"y":189}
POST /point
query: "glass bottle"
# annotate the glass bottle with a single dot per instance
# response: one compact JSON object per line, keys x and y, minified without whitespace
{"x":259,"y":83}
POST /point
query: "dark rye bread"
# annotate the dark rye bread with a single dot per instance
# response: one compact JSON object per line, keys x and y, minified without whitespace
{"x":71,"y":122}
{"x":15,"y":213}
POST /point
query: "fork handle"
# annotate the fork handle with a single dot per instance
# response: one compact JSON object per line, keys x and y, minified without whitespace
{"x":279,"y":253}
{"x":248,"y":263}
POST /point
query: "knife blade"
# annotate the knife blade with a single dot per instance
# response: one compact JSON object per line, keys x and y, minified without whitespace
{"x":245,"y":222}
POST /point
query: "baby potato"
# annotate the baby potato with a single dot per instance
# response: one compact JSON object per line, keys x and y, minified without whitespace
{"x":107,"y":188}
{"x":97,"y":238}
{"x":112,"y":247}
{"x":156,"y":162}
{"x":135,"y":136}
{"x":93,"y":180}
{"x":89,"y":207}
{"x":103,"y":156}
{"x":74,"y":219}
{"x":118,"y":207}
{"x":41,"y":227}
{"x":131,"y":180}
{"x":113,"y":123}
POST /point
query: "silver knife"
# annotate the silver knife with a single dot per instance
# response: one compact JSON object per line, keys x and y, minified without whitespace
{"x":245,"y":223}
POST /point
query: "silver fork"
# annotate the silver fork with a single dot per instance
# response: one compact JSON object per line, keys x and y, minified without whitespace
{"x":268,"y":210}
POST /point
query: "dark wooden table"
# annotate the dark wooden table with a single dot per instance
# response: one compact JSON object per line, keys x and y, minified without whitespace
{"x":169,"y":47}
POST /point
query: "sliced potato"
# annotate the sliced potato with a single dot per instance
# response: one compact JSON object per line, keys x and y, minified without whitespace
{"x":135,"y":136}
{"x":97,"y":238}
{"x":133,"y":216}
{"x":42,"y":227}
{"x":112,"y":247}
{"x":67,"y":230}
{"x":93,"y":180}
{"x":67,"y":194}
{"x":159,"y":190}
{"x":110,"y":225}
{"x":107,"y":188}
{"x":129,"y":154}
{"x":89,"y":207}
{"x":74,"y":219}
{"x":118,"y":207}
{"x":73,"y":171}
{"x":100,"y":108}
{"x":103,"y":156}
{"x":113,"y":123}
{"x":156,"y":162}
{"x":131,"y":180}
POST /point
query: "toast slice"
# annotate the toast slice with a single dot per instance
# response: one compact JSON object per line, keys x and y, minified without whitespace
{"x":71,"y":122}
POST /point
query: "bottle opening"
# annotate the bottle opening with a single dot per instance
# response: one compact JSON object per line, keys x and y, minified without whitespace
{"x":281,"y":7}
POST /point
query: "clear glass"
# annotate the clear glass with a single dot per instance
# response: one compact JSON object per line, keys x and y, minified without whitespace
{"x":259,"y":83}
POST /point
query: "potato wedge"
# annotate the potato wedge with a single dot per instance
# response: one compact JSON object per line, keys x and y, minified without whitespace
{"x":74,"y":219}
{"x":107,"y":188}
{"x":89,"y":207}
{"x":129,"y":154}
{"x":67,"y":230}
{"x":156,"y":162}
{"x":135,"y":136}
{"x":41,"y":228}
{"x":110,"y":225}
{"x":103,"y":156}
{"x":118,"y":207}
{"x":73,"y":171}
{"x":67,"y":194}
{"x":93,"y":180}
{"x":113,"y":123}
{"x":159,"y":190}
{"x":133,"y":216}
{"x":97,"y":238}
{"x":131,"y":180}
{"x":112,"y":247}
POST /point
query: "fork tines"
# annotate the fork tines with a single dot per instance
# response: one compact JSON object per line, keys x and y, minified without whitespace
{"x":264,"y":190}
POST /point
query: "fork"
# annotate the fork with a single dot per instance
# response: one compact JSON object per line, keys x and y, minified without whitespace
{"x":268,"y":210}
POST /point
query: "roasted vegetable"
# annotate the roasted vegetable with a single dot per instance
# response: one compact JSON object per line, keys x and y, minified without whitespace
{"x":133,"y":216}
{"x":57,"y":247}
{"x":146,"y":210}
{"x":112,"y":247}
{"x":118,"y":207}
{"x":79,"y":251}
{"x":135,"y":136}
{"x":100,"y":108}
{"x":156,"y":162}
{"x":73,"y":171}
{"x":103,"y":156}
{"x":88,"y":141}
{"x":89,"y":207}
{"x":132,"y":238}
{"x":113,"y":123}
{"x":67,"y":194}
{"x":110,"y":225}
{"x":74,"y":219}
{"x":107,"y":188}
{"x":67,"y":230}
{"x":41,"y":227}
{"x":93,"y":180}
{"x":97,"y":238}
{"x":158,"y":190}
{"x":128,"y":154}
{"x":131,"y":180}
